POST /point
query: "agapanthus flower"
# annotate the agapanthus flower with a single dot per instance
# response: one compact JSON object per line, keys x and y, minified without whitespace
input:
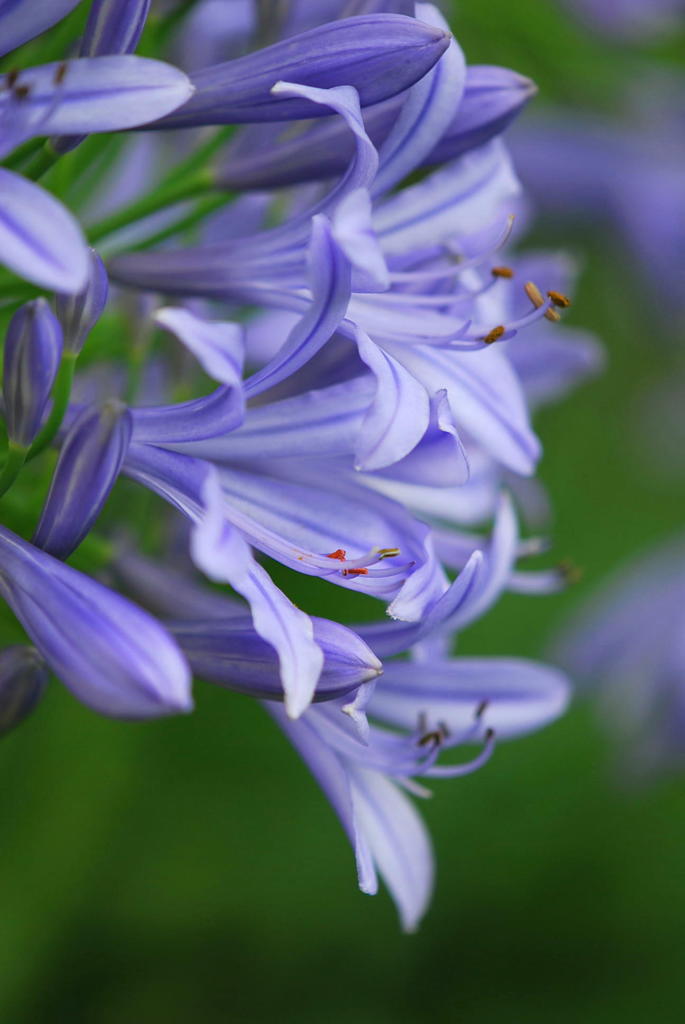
{"x":625,"y":646}
{"x":335,"y":374}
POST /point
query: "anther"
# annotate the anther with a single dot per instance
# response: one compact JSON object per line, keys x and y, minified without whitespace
{"x":501,"y":272}
{"x":535,"y":296}
{"x":20,"y":92}
{"x":489,"y":735}
{"x":388,"y":552}
{"x":494,"y":335}
{"x":11,"y":78}
{"x":355,"y":572}
{"x":339,"y":553}
{"x":559,"y":299}
{"x":481,"y":709}
{"x":571,"y":573}
{"x":60,"y":72}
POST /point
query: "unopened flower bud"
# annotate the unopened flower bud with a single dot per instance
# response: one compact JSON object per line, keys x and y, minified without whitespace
{"x":33,"y":348}
{"x":23,"y":678}
{"x":79,"y":313}
{"x":88,"y":466}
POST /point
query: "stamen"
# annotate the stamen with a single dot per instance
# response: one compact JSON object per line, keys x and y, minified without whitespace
{"x":502,"y":272}
{"x":454,"y":771}
{"x":20,"y":92}
{"x":11,"y":78}
{"x":535,"y":296}
{"x":559,"y":299}
{"x":388,"y":552}
{"x":355,"y":572}
{"x":494,"y":335}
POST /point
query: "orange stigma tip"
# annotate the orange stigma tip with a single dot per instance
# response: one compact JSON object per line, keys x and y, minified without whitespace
{"x":494,"y":335}
{"x":559,"y":299}
{"x":340,"y":554}
{"x":501,"y":272}
{"x":355,"y":572}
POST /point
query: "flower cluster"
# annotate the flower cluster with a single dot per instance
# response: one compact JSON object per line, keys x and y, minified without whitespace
{"x":345,"y":245}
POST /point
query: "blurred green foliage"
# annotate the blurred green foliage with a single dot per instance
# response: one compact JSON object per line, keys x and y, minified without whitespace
{"x":190,"y":869}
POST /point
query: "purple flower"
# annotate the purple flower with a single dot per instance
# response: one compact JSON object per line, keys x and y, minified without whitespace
{"x":79,"y":312}
{"x":625,"y":644}
{"x":20,"y":21}
{"x":112,"y":655}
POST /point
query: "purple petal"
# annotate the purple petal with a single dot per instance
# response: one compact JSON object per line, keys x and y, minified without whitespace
{"x":39,"y":239}
{"x":114,"y":26}
{"x":217,"y":345}
{"x":21,"y":21}
{"x":426,"y":113}
{"x":23,"y":678}
{"x":79,"y":313}
{"x":95,"y":94}
{"x":213,"y":416}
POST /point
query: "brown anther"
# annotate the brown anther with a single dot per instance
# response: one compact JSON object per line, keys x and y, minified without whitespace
{"x":494,"y":335}
{"x":489,"y":734}
{"x":355,"y":572}
{"x":20,"y":92}
{"x":559,"y":299}
{"x":571,"y":573}
{"x":339,"y":553}
{"x":481,"y":709}
{"x":60,"y":72}
{"x":431,"y":737}
{"x":11,"y":78}
{"x":501,"y":272}
{"x":535,"y":296}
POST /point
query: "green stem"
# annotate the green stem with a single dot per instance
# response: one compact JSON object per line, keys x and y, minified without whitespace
{"x":202,"y":209}
{"x":16,"y":457}
{"x":41,"y":162}
{"x":60,"y":401}
{"x":151,"y":203}
{"x":22,"y":153}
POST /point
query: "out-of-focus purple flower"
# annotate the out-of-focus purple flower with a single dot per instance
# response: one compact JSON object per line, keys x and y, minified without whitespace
{"x":630,"y":19}
{"x":112,"y":655}
{"x":380,"y":55}
{"x":23,"y":678}
{"x":90,"y":459}
{"x":33,"y":347}
{"x":627,"y":644}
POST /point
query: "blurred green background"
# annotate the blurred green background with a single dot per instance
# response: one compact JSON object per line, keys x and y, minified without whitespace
{"x":190,"y":869}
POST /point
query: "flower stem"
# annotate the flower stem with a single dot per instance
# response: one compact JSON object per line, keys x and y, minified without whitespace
{"x":40,"y":162}
{"x":16,"y":457}
{"x":60,"y":401}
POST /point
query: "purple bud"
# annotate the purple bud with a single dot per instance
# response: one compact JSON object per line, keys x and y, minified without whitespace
{"x":88,"y":466}
{"x":33,"y":347}
{"x":114,"y":26}
{"x":111,"y":654}
{"x":492,"y":98}
{"x":379,"y":54}
{"x":23,"y":678}
{"x":79,"y":313}
{"x":229,"y":652}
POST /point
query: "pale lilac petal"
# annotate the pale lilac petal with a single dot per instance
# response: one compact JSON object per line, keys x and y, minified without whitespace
{"x":39,"y":239}
{"x":21,"y":20}
{"x":426,"y":113}
{"x":217,"y":345}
